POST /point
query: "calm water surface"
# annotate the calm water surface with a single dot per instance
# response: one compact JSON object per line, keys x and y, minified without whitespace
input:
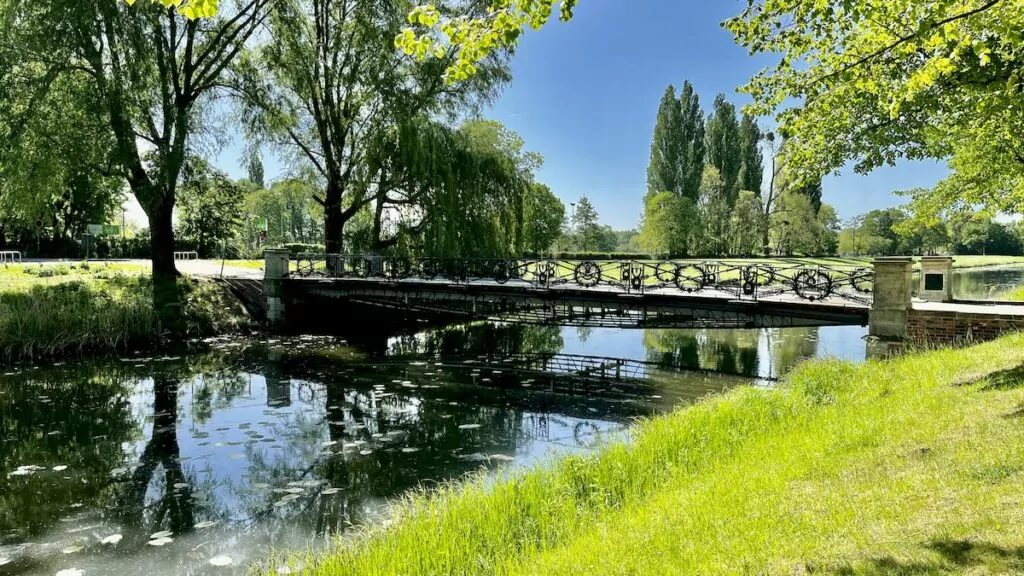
{"x":200,"y":464}
{"x":986,"y":283}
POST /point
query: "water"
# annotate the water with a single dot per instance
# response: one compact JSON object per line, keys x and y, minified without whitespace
{"x":215,"y":458}
{"x":986,"y":284}
{"x":201,"y":464}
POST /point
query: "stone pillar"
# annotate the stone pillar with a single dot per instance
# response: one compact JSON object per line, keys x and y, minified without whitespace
{"x":275,"y":273}
{"x":892,"y":289}
{"x":936,"y":278}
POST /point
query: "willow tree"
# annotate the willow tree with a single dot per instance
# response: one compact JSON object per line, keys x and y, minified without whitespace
{"x":54,"y":164}
{"x":149,"y":69}
{"x":329,"y":88}
{"x":451,"y":192}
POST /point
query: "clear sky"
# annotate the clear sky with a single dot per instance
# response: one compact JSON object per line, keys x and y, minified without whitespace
{"x":585,"y":95}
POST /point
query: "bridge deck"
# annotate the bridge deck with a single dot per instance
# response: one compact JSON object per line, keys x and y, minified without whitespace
{"x":595,"y":306}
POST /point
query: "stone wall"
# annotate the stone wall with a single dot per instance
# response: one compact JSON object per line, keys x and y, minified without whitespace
{"x":948,"y":327}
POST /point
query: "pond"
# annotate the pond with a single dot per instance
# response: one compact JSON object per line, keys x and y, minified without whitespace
{"x":986,"y":283}
{"x":201,"y":464}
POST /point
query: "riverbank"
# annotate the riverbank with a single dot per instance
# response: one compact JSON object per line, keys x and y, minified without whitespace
{"x":907,"y":465}
{"x":63,"y":310}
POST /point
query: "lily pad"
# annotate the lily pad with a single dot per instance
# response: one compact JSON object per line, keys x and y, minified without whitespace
{"x":112,"y":539}
{"x":160,"y":541}
{"x":161,"y":534}
{"x":410,"y":449}
{"x":204,"y":525}
{"x":60,"y":468}
{"x":329,"y":491}
{"x":221,"y":561}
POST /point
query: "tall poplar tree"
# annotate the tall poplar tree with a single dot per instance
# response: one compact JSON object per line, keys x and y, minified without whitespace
{"x":723,"y":145}
{"x":692,"y":152}
{"x":752,"y":161}
{"x":663,"y":169}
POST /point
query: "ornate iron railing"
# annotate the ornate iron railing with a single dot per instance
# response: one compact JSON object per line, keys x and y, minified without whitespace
{"x":749,"y":280}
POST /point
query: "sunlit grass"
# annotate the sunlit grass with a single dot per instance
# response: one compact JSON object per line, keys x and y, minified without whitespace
{"x":60,"y":310}
{"x":911,"y":465}
{"x":255,"y":264}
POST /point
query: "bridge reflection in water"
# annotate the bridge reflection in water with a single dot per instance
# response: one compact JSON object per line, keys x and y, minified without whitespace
{"x":633,"y":294}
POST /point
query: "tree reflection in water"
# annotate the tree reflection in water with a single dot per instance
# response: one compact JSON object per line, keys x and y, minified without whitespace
{"x":287,"y":443}
{"x":768,"y":352}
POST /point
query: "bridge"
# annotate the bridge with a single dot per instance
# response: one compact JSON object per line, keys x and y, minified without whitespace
{"x":628,"y":293}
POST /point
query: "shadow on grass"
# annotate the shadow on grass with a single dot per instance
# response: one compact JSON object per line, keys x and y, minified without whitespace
{"x":1009,"y":379}
{"x":953,"y":557}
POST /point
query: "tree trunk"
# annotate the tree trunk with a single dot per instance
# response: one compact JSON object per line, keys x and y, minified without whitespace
{"x":166,"y":295}
{"x":333,"y":224}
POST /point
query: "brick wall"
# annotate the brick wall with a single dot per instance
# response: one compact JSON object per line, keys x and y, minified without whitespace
{"x":943,"y":328}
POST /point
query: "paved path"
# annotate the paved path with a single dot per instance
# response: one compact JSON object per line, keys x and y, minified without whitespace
{"x":994,"y":309}
{"x":206,"y":268}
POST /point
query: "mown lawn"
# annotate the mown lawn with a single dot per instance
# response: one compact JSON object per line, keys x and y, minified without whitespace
{"x":909,"y":466}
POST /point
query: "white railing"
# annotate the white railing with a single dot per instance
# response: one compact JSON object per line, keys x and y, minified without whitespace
{"x":10,"y":256}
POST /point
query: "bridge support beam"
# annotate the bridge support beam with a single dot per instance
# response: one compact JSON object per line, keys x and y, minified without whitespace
{"x":936,"y":278}
{"x":276,"y":270}
{"x":892,"y":293}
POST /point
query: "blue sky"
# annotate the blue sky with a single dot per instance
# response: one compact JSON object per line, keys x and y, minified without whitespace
{"x":585,"y":95}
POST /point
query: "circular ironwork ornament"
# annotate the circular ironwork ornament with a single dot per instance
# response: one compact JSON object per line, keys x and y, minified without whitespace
{"x":587,"y":274}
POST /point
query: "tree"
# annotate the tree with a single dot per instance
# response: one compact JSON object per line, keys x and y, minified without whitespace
{"x":255,"y":170}
{"x":746,"y":224}
{"x":812,"y":190}
{"x":329,"y":89}
{"x":724,"y":150}
{"x":797,"y":230}
{"x":626,"y":240}
{"x":664,"y":167}
{"x":149,"y":70}
{"x":676,"y":167}
{"x":543,"y":217}
{"x":209,"y":207}
{"x":692,"y":153}
{"x":826,"y":237}
{"x":474,"y":38}
{"x":54,"y":164}
{"x":662,"y":228}
{"x":585,"y":226}
{"x":606,"y":239}
{"x":774,"y":190}
{"x":752,"y":161}
{"x":880,"y":81}
{"x":714,"y":213}
{"x":456,"y":193}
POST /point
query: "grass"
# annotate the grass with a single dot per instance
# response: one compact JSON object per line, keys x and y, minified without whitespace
{"x":913,"y":465}
{"x":254,"y":264}
{"x":1014,"y":294}
{"x":61,"y":310}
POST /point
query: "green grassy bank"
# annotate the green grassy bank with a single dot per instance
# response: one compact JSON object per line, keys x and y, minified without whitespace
{"x":61,"y":310}
{"x":909,"y":466}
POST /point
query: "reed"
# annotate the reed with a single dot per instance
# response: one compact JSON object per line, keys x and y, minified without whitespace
{"x":66,"y":314}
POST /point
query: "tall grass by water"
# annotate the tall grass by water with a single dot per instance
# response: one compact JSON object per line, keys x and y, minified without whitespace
{"x":56,"y":311}
{"x":913,"y":465}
